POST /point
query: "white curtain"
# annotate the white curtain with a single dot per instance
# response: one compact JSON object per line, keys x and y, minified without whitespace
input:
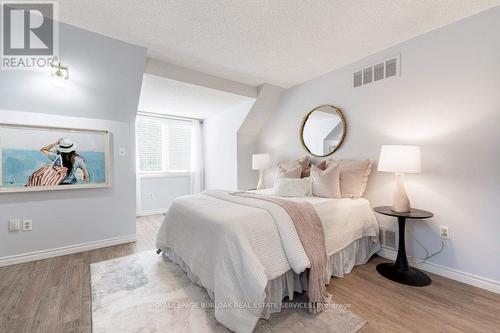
{"x":196,"y":158}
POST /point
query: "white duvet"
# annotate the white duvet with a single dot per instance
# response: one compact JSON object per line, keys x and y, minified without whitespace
{"x":235,"y":245}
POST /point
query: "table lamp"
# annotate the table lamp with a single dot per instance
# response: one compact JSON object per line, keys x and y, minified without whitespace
{"x":260,"y":162}
{"x":400,"y":160}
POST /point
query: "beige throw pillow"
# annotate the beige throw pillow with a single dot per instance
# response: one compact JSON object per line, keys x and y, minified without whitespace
{"x":289,"y":173}
{"x":326,"y":183}
{"x":304,"y":162}
{"x":353,"y":176}
{"x":307,"y":172}
{"x":292,"y":169}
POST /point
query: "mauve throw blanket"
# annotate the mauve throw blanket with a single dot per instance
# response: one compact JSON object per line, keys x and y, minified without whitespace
{"x":310,"y":231}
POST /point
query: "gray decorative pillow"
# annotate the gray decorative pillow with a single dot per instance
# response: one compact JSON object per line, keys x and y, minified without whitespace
{"x":353,"y":176}
{"x":293,"y":187}
{"x":326,"y":183}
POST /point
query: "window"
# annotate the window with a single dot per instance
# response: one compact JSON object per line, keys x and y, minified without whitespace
{"x":163,"y":145}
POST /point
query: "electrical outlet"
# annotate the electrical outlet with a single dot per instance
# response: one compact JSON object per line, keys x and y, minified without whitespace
{"x":27,"y":225}
{"x":444,"y":232}
{"x":14,"y":224}
{"x":151,"y":195}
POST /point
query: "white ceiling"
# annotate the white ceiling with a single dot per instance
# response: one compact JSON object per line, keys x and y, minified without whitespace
{"x":164,"y":96}
{"x":283,"y":42}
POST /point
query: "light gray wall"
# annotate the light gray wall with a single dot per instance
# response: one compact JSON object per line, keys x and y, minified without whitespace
{"x":156,"y":193}
{"x":105,"y":79}
{"x":447,"y":100}
{"x":267,"y":99}
{"x":220,"y":150}
{"x":102,"y":93}
{"x":247,"y":146}
{"x":71,"y":217}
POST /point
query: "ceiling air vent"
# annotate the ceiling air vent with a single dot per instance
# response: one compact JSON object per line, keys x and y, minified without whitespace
{"x":378,"y":71}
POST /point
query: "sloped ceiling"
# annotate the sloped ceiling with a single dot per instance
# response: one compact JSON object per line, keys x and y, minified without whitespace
{"x":164,"y":96}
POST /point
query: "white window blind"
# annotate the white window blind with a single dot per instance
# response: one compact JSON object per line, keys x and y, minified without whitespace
{"x":179,"y":145}
{"x":163,"y":145}
{"x":149,"y":145}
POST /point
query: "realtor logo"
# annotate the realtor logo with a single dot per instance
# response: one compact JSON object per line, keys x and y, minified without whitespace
{"x":29,"y":33}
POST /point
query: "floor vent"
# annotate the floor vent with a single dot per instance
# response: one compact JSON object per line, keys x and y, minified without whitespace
{"x":388,"y":238}
{"x":385,"y":69}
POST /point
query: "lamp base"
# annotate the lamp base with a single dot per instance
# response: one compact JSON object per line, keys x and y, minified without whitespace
{"x":260,"y":185}
{"x":401,"y":203}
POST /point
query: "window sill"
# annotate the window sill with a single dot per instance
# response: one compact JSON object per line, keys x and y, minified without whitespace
{"x":163,"y":174}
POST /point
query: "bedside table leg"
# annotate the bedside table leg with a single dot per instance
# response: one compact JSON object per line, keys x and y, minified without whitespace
{"x":401,"y":260}
{"x":400,"y":271}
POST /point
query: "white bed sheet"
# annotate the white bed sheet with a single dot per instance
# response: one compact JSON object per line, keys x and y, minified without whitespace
{"x":344,"y":220}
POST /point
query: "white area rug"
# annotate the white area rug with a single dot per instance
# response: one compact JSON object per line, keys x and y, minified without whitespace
{"x":147,"y":293}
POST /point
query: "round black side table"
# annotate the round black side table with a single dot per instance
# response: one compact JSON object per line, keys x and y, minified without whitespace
{"x":400,"y":271}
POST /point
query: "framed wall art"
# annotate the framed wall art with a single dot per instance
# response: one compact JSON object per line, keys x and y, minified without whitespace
{"x":38,"y":158}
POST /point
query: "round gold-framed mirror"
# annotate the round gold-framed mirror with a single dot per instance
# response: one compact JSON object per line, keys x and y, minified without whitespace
{"x":323,"y":130}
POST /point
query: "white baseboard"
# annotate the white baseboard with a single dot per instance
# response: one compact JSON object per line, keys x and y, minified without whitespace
{"x":454,"y":274}
{"x":61,"y":251}
{"x":152,"y":212}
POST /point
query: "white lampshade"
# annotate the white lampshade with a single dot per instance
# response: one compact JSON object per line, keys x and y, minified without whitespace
{"x":399,"y":159}
{"x":260,"y":161}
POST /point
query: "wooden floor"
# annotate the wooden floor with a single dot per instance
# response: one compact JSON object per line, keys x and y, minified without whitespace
{"x":53,"y":295}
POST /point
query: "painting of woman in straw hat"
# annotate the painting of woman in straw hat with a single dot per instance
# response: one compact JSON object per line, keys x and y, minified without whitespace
{"x":63,"y":153}
{"x":38,"y":158}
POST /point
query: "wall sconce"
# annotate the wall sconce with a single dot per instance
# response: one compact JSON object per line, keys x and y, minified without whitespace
{"x":59,"y":74}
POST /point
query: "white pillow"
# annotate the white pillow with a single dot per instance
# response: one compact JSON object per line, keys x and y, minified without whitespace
{"x":293,"y":187}
{"x":326,"y":183}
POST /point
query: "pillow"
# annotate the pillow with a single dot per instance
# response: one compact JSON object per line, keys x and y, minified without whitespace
{"x":326,"y":183}
{"x":307,"y":172}
{"x":289,"y":173}
{"x":304,"y":162}
{"x":353,"y":176}
{"x":293,"y":187}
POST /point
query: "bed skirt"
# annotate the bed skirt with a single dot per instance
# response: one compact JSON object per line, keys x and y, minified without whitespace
{"x":339,"y":264}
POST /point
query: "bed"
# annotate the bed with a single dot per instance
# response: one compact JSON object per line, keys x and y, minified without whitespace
{"x":246,"y":253}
